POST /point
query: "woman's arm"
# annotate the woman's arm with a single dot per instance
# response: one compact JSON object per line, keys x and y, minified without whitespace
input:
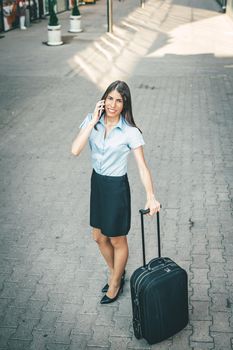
{"x":145,"y":176}
{"x":81,"y":140}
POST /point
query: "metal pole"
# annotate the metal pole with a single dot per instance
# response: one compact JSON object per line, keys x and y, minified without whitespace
{"x":109,"y":15}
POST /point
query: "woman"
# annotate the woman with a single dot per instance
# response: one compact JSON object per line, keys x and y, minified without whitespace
{"x":112,"y":134}
{"x":21,"y":9}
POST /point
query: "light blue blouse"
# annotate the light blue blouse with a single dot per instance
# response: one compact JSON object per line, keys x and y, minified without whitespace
{"x":109,"y":155}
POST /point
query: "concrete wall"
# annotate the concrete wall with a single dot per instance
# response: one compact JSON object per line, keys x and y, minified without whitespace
{"x":230,"y":8}
{"x":227,"y":5}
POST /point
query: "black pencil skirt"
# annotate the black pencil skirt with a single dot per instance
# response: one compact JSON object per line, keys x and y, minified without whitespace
{"x":110,"y":207}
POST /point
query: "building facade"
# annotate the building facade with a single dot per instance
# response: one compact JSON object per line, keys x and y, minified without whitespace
{"x":35,"y":9}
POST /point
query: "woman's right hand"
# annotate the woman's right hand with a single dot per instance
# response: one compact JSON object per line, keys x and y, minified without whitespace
{"x":98,"y":111}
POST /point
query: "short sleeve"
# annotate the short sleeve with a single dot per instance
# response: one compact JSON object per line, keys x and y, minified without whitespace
{"x":135,"y":138}
{"x":85,"y":121}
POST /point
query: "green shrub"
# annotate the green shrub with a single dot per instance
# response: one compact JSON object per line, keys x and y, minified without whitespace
{"x":75,"y":10}
{"x":53,"y":20}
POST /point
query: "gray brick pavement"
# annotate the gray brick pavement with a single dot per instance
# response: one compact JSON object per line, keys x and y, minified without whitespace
{"x":177,"y":57}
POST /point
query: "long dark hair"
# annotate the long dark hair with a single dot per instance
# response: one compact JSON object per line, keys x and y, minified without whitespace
{"x":124,"y":91}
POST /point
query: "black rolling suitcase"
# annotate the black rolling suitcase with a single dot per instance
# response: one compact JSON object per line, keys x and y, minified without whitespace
{"x":159,"y":294}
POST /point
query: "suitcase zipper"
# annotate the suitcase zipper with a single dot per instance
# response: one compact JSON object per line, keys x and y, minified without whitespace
{"x":147,"y":269}
{"x":137,"y":318}
{"x":137,"y":321}
{"x":154,"y":270}
{"x":141,"y":277}
{"x":138,"y":280}
{"x":138,"y":283}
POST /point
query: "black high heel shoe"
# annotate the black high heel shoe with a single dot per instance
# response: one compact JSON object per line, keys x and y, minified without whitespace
{"x":107,"y":300}
{"x":105,"y":288}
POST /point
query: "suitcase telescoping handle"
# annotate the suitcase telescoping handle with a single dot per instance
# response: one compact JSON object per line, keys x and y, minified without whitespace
{"x":143,"y":212}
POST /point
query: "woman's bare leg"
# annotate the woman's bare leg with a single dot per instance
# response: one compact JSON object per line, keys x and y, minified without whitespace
{"x":105,"y":248}
{"x":120,"y":255}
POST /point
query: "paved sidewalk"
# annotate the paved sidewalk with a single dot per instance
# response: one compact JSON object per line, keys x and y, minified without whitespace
{"x":177,"y":56}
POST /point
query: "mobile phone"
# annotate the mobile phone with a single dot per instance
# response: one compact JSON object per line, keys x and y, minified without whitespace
{"x":101,"y":112}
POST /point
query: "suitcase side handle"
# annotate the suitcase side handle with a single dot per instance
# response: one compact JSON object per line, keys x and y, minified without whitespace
{"x":143,"y":212}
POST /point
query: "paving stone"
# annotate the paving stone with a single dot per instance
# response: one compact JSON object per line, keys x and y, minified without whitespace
{"x":75,"y":297}
{"x":121,"y":326}
{"x":100,"y":337}
{"x":228,"y":248}
{"x":220,"y":302}
{"x":79,"y":341}
{"x":81,"y":275}
{"x":200,"y":311}
{"x":218,"y":285}
{"x":3,"y":278}
{"x":33,"y":310}
{"x":39,"y":340}
{"x":90,"y":305}
{"x":125,"y":307}
{"x":55,"y":302}
{"x":200,"y":261}
{"x":105,"y":317}
{"x":221,"y":322}
{"x":229,"y":263}
{"x":24,"y":330}
{"x":199,"y":249}
{"x":95,"y":286}
{"x":216,"y":255}
{"x":12,"y":317}
{"x":18,"y":274}
{"x":49,"y":277}
{"x":22,"y":298}
{"x":201,"y":332}
{"x":16,"y":344}
{"x":5,"y":334}
{"x":229,"y":277}
{"x":61,"y":333}
{"x":119,"y":342}
{"x":57,"y":347}
{"x":29,"y":282}
{"x":4,"y":303}
{"x":200,"y":276}
{"x":47,"y":320}
{"x":37,"y":268}
{"x":217,"y":270}
{"x":9,"y":290}
{"x":220,"y":341}
{"x":138,"y":344}
{"x":216,"y":243}
{"x":84,"y":324}
{"x":202,"y":345}
{"x":41,"y":293}
{"x":68,"y":313}
{"x":181,"y":340}
{"x":97,"y":347}
{"x":183,"y":254}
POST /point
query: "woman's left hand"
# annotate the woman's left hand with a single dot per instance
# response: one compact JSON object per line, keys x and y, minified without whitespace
{"x":153,"y":205}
